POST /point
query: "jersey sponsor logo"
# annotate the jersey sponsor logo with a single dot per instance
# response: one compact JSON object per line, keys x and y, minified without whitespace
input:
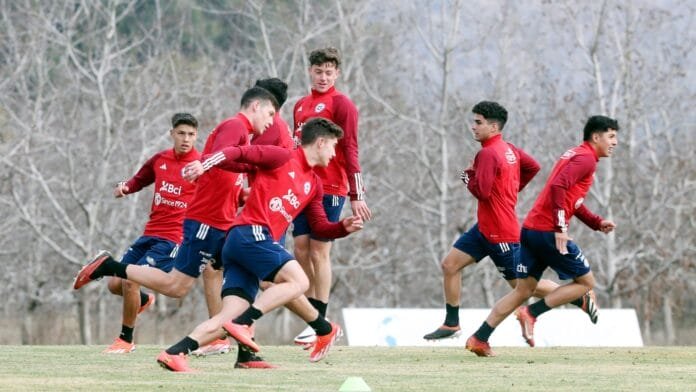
{"x":164,"y":166}
{"x":168,"y":187}
{"x":510,"y":156}
{"x":319,"y":107}
{"x":276,"y":205}
{"x":568,"y":154}
{"x":292,"y":175}
{"x":158,"y":199}
{"x":292,"y":199}
{"x":307,"y":188}
{"x":578,"y":203}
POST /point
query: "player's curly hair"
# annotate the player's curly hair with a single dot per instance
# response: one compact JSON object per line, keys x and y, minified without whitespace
{"x":492,"y":112}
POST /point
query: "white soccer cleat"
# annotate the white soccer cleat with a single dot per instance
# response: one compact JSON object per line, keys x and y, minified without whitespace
{"x":306,"y":338}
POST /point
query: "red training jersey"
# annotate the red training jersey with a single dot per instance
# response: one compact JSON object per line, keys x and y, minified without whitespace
{"x":216,"y":200}
{"x":278,"y":134}
{"x":565,"y":191}
{"x":285,"y":185}
{"x":499,"y":172}
{"x":172,"y":193}
{"x":342,"y":177}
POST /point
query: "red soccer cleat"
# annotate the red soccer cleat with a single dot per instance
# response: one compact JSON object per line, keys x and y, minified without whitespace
{"x":120,"y":346}
{"x":242,"y":334}
{"x":478,"y":347}
{"x":324,"y":343}
{"x":527,"y":323}
{"x":150,"y":301}
{"x":83,"y":277}
{"x":175,"y":363}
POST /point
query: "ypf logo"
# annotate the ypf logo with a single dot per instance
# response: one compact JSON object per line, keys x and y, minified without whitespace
{"x":319,"y":108}
{"x":276,"y":204}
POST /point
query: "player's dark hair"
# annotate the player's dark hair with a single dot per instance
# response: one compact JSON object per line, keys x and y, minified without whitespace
{"x":257,"y":94}
{"x":325,"y":55}
{"x":598,"y":124}
{"x":277,"y":87}
{"x":184,"y":118}
{"x":319,"y":127}
{"x":492,"y":112}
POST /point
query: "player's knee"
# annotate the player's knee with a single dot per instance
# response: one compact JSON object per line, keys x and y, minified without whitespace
{"x":129,"y":286}
{"x":302,"y":283}
{"x":114,"y":286}
{"x":449,"y":266}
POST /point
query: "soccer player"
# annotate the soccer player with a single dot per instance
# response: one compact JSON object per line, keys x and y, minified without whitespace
{"x":210,"y":214}
{"x":342,"y":177}
{"x":498,"y":173}
{"x":285,"y":185}
{"x":545,"y":241}
{"x":158,"y":245}
{"x":278,"y":134}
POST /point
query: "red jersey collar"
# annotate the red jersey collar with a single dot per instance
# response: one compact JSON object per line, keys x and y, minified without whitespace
{"x":492,"y":140}
{"x":303,"y":159}
{"x":588,"y":146}
{"x":316,"y":93}
{"x":246,"y":122}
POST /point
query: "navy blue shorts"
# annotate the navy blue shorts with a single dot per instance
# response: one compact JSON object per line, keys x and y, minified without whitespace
{"x":202,"y":245}
{"x":151,"y":251}
{"x":249,"y":256}
{"x":504,"y":254}
{"x":539,"y":252}
{"x":333,"y":205}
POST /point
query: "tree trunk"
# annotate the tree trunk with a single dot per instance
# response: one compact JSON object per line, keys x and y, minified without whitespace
{"x":85,"y":319}
{"x":670,"y":335}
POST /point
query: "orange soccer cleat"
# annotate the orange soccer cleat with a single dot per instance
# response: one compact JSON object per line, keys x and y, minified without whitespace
{"x":324,"y":343}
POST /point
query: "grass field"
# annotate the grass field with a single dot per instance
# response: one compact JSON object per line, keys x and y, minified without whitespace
{"x":32,"y":368}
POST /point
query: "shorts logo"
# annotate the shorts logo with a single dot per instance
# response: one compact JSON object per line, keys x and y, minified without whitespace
{"x":307,"y":188}
{"x":578,"y":203}
{"x":522,"y":268}
{"x":319,"y":107}
{"x":150,"y":260}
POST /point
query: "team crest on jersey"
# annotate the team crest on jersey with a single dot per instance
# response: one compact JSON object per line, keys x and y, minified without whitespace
{"x":578,"y":203}
{"x":510,"y":156}
{"x":307,"y":188}
{"x":319,"y":107}
{"x":158,"y":198}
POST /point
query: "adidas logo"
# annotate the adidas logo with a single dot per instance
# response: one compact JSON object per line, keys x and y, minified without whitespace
{"x":292,"y":175}
{"x":164,"y":166}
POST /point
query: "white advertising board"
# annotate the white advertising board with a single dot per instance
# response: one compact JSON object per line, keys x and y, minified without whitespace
{"x":558,"y":327}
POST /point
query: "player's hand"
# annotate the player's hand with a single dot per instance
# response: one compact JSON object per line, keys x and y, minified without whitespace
{"x":562,"y":242}
{"x":120,"y":190}
{"x":360,"y":209}
{"x":607,"y":226}
{"x":464,"y":177}
{"x":352,"y":224}
{"x":192,"y":171}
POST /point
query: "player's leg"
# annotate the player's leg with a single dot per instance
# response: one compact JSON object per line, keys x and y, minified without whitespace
{"x":301,"y":247}
{"x":115,"y":287}
{"x":466,"y":250}
{"x":212,"y":287}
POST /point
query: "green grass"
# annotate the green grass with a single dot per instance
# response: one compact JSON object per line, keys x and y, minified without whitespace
{"x":383,"y":369}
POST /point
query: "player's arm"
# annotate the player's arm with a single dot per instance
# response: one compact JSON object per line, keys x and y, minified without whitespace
{"x":529,"y":168}
{"x":346,"y":117}
{"x":236,"y":158}
{"x":142,"y":178}
{"x":320,"y":224}
{"x":578,"y":167}
{"x":482,"y":176}
{"x":593,"y":221}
